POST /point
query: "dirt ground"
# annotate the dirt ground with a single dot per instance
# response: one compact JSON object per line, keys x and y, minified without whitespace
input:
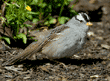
{"x":90,"y":64}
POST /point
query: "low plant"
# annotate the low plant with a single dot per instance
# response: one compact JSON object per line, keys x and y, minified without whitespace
{"x":19,"y":11}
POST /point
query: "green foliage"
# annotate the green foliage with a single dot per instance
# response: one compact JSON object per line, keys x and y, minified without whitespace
{"x":62,"y":19}
{"x":20,"y":11}
{"x":21,"y":36}
{"x":48,"y":8}
{"x":16,"y":15}
{"x":50,"y":21}
{"x":6,"y":39}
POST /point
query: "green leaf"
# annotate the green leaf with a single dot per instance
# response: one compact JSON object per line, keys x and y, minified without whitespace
{"x":7,"y":39}
{"x":31,"y":37}
{"x":52,"y":21}
{"x":46,"y":23}
{"x":9,"y":18}
{"x":62,"y":20}
{"x":3,"y":19}
{"x":36,"y":13}
{"x":17,"y":22}
{"x":27,"y":25}
{"x":22,"y":36}
{"x":34,"y":2}
{"x":12,"y":22}
{"x":73,"y":11}
{"x":59,"y":4}
{"x":50,"y":7}
{"x":35,"y":20}
{"x":70,"y":0}
{"x":44,"y":5}
{"x":35,"y":40}
{"x":30,"y":16}
{"x":7,"y":3}
{"x":72,"y":6}
{"x":65,"y":2}
{"x":21,"y":25}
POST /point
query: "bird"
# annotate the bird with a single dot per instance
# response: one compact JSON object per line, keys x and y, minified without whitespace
{"x":60,"y":42}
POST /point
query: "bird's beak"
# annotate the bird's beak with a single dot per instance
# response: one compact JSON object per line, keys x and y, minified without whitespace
{"x":89,"y":24}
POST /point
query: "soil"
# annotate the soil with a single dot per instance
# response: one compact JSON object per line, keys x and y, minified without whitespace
{"x":90,"y":64}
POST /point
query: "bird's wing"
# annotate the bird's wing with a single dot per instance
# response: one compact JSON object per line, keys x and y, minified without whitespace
{"x":35,"y":46}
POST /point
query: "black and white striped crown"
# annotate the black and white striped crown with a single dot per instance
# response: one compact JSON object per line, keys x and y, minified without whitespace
{"x":82,"y":17}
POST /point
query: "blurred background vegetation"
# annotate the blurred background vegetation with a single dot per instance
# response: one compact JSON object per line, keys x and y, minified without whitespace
{"x":20,"y":16}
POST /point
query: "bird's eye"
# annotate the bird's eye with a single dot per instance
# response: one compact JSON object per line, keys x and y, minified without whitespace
{"x":81,"y":20}
{"x":85,"y":16}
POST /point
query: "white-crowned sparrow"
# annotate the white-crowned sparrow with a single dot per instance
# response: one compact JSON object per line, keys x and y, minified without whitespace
{"x":62,"y":41}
